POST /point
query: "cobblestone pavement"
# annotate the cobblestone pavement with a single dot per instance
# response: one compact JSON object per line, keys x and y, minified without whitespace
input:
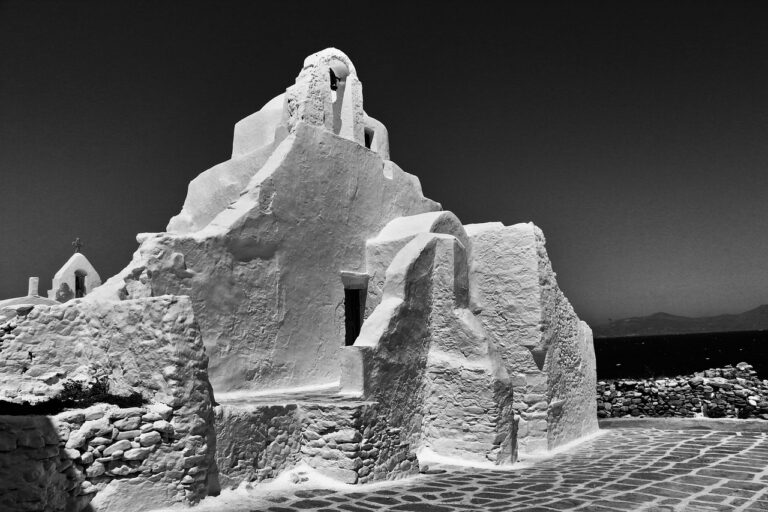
{"x":621,"y":470}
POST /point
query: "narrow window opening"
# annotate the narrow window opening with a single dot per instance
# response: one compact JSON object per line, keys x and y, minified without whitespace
{"x":79,"y":284}
{"x":334,"y":80}
{"x":368,"y":137}
{"x":354,"y":304}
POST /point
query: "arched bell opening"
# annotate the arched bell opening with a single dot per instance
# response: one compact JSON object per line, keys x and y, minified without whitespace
{"x":337,"y":81}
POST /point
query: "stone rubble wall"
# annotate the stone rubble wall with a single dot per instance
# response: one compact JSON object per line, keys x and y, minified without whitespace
{"x":355,"y":444}
{"x":35,"y":475}
{"x":385,"y":453}
{"x":79,"y":452}
{"x":137,"y":458}
{"x":478,"y":423}
{"x":255,"y":442}
{"x":729,"y":392}
{"x":350,"y":442}
{"x":530,"y":405}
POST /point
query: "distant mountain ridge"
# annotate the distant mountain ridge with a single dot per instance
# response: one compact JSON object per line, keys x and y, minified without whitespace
{"x":664,"y":323}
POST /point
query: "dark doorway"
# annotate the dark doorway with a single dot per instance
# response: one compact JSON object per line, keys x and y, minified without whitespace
{"x":354,"y":304}
{"x":79,"y":284}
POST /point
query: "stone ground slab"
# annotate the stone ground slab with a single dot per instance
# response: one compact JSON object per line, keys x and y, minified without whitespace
{"x":623,"y":469}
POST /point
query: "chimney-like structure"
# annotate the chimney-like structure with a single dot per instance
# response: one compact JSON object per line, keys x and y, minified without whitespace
{"x":32,"y":287}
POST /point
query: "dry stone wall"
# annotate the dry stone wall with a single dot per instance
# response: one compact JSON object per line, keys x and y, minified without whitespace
{"x":35,"y":474}
{"x":730,"y":392}
{"x":60,"y":462}
{"x":255,"y":442}
{"x":354,"y":443}
{"x":137,"y":458}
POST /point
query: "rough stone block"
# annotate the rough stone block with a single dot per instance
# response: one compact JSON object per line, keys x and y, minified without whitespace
{"x":128,"y":434}
{"x":130,"y":423}
{"x":139,"y":454}
{"x":345,"y":436}
{"x":95,"y":469}
{"x":7,"y":441}
{"x":149,"y":438}
{"x":118,"y":446}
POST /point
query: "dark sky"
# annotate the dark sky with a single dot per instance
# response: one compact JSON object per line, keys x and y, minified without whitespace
{"x":634,"y":134}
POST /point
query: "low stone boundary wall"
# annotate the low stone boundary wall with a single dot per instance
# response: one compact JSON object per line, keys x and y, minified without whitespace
{"x":348,"y":441}
{"x":729,"y":392}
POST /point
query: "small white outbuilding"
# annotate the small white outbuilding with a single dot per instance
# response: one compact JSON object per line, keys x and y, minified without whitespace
{"x":75,"y":279}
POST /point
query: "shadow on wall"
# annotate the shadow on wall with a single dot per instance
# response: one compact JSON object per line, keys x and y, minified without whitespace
{"x":38,"y":469}
{"x":37,"y":472}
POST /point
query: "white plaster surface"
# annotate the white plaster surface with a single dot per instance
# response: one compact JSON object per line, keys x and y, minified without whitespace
{"x":264,"y":274}
{"x":9,"y":308}
{"x":381,"y":250}
{"x":129,"y":342}
{"x":380,"y":139}
{"x":426,"y":358}
{"x":263,"y":238}
{"x":547,"y":350}
{"x":214,"y":190}
{"x":258,"y":129}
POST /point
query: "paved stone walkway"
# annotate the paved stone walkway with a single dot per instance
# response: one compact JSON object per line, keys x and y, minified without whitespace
{"x":621,"y":470}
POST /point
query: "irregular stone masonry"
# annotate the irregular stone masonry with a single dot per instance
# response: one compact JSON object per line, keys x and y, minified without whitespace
{"x":346,"y":440}
{"x":147,"y":348}
{"x":354,"y":444}
{"x":255,"y":442}
{"x":81,"y":451}
{"x":35,"y":474}
{"x":730,"y":392}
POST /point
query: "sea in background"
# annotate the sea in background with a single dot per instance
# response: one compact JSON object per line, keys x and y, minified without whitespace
{"x":679,"y":354}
